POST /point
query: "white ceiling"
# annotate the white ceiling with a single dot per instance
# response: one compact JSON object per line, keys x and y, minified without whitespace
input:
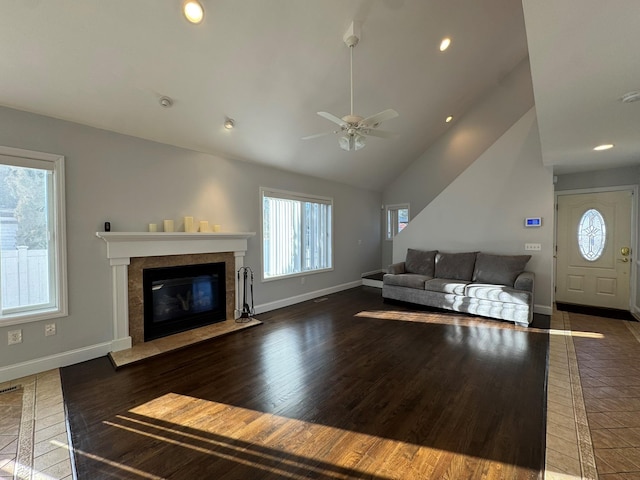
{"x":271,"y":65}
{"x":584,"y":57}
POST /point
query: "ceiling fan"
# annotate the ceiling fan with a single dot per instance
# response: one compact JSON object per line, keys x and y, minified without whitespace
{"x":353,"y":128}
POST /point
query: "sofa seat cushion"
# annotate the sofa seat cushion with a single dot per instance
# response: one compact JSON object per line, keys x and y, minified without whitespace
{"x":499,"y":269}
{"x":409,"y":280}
{"x":456,"y":266}
{"x":420,"y":262}
{"x":497,"y":293}
{"x":445,"y":285}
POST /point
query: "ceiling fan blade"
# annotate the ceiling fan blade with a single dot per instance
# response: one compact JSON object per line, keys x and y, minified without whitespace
{"x":308,"y":137}
{"x":333,"y":118}
{"x":379,"y":117}
{"x":380,"y":133}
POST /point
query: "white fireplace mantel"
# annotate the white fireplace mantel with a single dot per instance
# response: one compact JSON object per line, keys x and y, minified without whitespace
{"x":122,"y":246}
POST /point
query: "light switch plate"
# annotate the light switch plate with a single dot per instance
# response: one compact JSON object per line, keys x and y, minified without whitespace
{"x":534,"y":247}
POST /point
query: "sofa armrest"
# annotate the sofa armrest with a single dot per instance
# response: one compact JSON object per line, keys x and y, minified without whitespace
{"x":396,"y":268}
{"x":524,"y":281}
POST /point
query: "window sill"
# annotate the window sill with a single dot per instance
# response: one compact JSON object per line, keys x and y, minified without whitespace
{"x":30,"y":317}
{"x":294,"y":275}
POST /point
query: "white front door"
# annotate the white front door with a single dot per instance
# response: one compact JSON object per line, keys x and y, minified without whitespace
{"x":593,"y":265}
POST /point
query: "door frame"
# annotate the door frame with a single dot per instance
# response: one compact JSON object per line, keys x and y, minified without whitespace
{"x":634,"y":237}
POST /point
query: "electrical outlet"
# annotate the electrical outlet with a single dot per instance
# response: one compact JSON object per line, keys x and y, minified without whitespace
{"x":49,"y":329}
{"x":302,"y":280}
{"x":15,"y":336}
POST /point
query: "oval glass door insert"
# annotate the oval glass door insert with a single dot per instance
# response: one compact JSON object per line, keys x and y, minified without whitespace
{"x":592,"y":235}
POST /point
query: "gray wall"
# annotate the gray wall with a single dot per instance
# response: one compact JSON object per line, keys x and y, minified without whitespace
{"x":461,"y":145}
{"x":132,"y":182}
{"x":601,"y":179}
{"x":598,"y":179}
{"x":485,"y":207}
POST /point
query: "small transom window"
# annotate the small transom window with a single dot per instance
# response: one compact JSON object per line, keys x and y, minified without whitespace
{"x":592,"y":235}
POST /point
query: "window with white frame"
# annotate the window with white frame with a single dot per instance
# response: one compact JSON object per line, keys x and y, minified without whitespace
{"x":296,"y":233}
{"x":32,"y":236}
{"x":397,"y":219}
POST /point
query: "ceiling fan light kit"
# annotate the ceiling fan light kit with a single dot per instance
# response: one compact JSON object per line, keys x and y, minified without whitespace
{"x":355,"y":128}
{"x":351,"y":142}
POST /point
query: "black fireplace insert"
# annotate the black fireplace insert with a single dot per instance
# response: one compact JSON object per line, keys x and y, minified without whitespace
{"x":183,"y":297}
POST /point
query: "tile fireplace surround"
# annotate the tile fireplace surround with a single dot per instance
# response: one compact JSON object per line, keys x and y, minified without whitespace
{"x":127,"y":250}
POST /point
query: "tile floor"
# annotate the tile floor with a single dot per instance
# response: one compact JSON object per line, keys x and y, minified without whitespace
{"x":10,"y":415}
{"x":33,"y":434}
{"x":610,"y":376}
{"x":593,"y":408}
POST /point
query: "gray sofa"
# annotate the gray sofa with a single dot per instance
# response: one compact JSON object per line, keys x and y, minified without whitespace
{"x":495,"y":286}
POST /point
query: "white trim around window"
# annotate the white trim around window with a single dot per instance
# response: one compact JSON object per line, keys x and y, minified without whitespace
{"x":297,"y":234}
{"x":396,"y":218}
{"x":55,"y":265}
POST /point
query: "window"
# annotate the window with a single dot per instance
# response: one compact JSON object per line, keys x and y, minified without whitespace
{"x":32,"y":236}
{"x":397,"y":219}
{"x":296,"y":233}
{"x":592,"y":235}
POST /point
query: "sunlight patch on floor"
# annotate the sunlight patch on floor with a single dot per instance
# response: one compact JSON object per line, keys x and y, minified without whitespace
{"x":461,"y":320}
{"x":23,"y":472}
{"x":106,"y":461}
{"x":288,"y":447}
{"x":569,"y":333}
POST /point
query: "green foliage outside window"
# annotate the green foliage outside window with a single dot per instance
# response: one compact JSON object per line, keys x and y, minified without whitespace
{"x":24,"y":190}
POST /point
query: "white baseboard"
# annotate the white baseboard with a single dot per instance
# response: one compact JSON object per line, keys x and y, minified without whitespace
{"x":121,"y":344}
{"x":543,"y":309}
{"x":58,"y":360}
{"x":285,"y":302}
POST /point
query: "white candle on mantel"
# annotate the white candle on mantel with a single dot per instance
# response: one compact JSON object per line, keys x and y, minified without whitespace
{"x":168,"y":225}
{"x":188,"y":224}
{"x":217,"y":228}
{"x":204,"y":226}
{"x":153,"y":227}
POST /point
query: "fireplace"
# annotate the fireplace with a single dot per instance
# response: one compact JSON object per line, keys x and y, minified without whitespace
{"x":180,"y":298}
{"x":130,"y":253}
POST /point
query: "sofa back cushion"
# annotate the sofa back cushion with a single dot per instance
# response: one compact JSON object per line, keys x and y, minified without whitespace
{"x":421,"y":262}
{"x":499,"y":269}
{"x":455,"y":266}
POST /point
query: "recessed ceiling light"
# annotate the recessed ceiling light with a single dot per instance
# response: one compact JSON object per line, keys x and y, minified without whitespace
{"x":604,"y":146}
{"x":444,"y":44}
{"x":166,"y":102}
{"x":229,"y":124}
{"x":193,"y":11}
{"x":630,"y":97}
{"x":448,"y":119}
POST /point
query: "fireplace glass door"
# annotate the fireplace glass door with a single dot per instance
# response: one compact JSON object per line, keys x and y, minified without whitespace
{"x":183,"y":297}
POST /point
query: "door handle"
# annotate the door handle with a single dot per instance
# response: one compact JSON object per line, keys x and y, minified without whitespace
{"x":623,"y":260}
{"x":625,"y":251}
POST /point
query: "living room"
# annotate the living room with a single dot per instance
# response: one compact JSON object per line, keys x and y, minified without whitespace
{"x":108,"y":173}
{"x":476,"y":181}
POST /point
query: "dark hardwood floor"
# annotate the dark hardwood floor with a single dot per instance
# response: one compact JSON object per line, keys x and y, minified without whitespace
{"x":347,"y":387}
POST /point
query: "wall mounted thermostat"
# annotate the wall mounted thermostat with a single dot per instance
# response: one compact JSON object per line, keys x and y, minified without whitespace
{"x":533,"y":222}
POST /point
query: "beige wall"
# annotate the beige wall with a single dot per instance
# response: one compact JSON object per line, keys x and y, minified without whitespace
{"x":484,"y":208}
{"x":132,"y":182}
{"x":467,"y":138}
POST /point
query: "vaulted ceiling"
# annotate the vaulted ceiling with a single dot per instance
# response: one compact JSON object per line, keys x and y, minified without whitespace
{"x":271,"y":65}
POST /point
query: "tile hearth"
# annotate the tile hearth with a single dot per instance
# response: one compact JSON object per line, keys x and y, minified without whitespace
{"x":142,"y":351}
